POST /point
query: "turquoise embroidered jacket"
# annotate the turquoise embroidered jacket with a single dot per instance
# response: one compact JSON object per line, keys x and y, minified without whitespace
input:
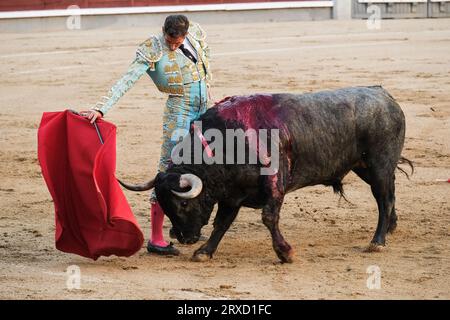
{"x":169,"y":70}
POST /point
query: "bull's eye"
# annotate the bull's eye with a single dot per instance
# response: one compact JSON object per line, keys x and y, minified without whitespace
{"x":184,"y":203}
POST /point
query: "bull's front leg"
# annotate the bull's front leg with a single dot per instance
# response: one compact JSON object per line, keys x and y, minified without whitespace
{"x":270,"y":218}
{"x":224,"y":218}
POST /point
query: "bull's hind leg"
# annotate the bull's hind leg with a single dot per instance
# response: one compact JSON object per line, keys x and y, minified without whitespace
{"x":365,"y":175}
{"x":392,"y":219}
{"x":270,"y":218}
{"x":392,"y":224}
{"x":383,"y":189}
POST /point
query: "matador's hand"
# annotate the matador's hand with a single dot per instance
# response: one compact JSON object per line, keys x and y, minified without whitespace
{"x":92,"y":115}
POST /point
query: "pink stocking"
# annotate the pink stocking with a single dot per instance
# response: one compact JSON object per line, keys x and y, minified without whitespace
{"x":157,"y":221}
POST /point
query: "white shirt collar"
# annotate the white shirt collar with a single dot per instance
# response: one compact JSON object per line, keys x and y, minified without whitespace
{"x":187,"y":44}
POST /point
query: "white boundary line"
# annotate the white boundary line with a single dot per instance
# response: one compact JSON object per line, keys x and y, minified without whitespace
{"x":326,"y":46}
{"x":294,"y":37}
{"x":231,"y":53}
{"x":45,"y":53}
{"x":163,"y":9}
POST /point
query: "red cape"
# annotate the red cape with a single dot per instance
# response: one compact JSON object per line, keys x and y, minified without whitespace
{"x":92,"y":215}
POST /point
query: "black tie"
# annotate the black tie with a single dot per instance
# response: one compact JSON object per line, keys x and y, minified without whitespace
{"x":187,"y":53}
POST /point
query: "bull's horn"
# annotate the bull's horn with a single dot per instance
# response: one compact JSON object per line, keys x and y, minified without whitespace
{"x":138,"y":187}
{"x":189,"y":180}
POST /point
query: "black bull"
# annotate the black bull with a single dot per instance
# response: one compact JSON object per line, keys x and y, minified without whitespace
{"x":322,"y":137}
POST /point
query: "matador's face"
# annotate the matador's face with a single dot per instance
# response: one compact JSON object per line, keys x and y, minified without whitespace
{"x":174,"y":43}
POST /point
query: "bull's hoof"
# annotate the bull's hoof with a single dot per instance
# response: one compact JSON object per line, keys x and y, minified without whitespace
{"x":286,"y":257}
{"x":375,"y":247}
{"x":201,"y":257}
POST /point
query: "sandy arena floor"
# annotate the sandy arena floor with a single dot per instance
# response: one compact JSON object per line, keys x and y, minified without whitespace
{"x":73,"y":69}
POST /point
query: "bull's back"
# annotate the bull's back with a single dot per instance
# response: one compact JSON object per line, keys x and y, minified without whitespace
{"x":322,"y":134}
{"x":329,"y":131}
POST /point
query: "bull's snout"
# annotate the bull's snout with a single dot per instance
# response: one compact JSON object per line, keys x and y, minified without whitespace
{"x":187,"y":239}
{"x":192,"y":240}
{"x":186,"y":236}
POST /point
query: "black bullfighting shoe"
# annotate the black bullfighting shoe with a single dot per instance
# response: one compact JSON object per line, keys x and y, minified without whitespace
{"x":172,"y":235}
{"x":169,"y":250}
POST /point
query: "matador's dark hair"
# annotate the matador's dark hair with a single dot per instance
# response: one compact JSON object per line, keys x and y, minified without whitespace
{"x":176,"y":25}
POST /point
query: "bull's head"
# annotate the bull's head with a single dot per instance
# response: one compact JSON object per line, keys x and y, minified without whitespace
{"x":184,"y":200}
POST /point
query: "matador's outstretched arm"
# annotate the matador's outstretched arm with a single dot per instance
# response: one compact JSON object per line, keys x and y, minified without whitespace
{"x":136,"y":69}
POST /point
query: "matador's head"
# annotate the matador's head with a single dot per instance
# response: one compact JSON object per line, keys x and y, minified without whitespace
{"x":175,"y":30}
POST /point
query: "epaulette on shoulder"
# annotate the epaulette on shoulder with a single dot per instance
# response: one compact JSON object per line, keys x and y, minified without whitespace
{"x":151,"y":49}
{"x":196,"y":31}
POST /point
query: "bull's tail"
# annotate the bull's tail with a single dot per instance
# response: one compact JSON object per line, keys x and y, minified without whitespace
{"x":138,"y":187}
{"x":403,"y":160}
